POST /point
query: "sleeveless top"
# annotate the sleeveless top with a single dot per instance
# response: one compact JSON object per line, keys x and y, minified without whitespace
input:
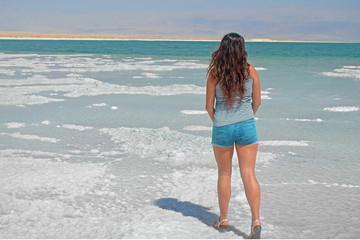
{"x":240,"y":111}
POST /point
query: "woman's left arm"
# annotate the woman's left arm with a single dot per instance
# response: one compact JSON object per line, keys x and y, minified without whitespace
{"x":256,"y":93}
{"x":210,"y":96}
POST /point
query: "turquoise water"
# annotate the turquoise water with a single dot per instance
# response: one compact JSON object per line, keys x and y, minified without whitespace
{"x":113,"y":105}
{"x":179,"y":48}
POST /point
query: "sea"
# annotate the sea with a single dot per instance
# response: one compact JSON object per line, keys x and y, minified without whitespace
{"x":110,"y":139}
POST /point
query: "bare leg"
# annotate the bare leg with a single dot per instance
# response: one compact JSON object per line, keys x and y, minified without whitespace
{"x":247,"y":157}
{"x":223,"y":158}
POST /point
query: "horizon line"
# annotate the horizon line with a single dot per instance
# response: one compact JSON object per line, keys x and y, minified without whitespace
{"x":59,"y":36}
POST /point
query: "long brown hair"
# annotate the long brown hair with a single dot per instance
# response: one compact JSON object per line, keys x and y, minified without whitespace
{"x":229,"y":66}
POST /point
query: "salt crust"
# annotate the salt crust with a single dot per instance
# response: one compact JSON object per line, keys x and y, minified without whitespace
{"x":76,"y":127}
{"x":312,"y":182}
{"x":43,"y":196}
{"x":193,"y":112}
{"x":99,"y":104}
{"x":167,"y":145}
{"x":20,"y":98}
{"x":79,"y":64}
{"x":23,"y":91}
{"x":342,"y":109}
{"x":284,"y":143}
{"x":31,"y":137}
{"x":305,"y":119}
{"x":198,"y":209}
{"x":333,"y":184}
{"x":15,"y":125}
{"x":197,"y":128}
{"x":170,"y":145}
{"x":265,"y":95}
{"x":345,"y":71}
{"x":260,"y":68}
{"x":63,"y":199}
{"x":147,"y":75}
{"x":77,"y":87}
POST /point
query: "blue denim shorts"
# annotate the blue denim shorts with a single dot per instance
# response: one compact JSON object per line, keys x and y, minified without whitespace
{"x":243,"y":133}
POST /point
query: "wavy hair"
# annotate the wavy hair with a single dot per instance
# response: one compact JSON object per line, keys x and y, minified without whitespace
{"x":228,"y":66}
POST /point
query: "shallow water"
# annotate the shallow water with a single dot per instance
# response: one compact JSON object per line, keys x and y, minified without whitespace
{"x":111,"y":140}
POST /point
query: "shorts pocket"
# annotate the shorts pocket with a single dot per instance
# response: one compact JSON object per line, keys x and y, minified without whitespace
{"x":249,"y":129}
{"x":220,"y":132}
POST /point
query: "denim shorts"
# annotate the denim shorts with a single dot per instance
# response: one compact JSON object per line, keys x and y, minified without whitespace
{"x":243,"y":133}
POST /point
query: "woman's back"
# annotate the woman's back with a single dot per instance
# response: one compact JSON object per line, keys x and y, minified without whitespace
{"x":239,"y":111}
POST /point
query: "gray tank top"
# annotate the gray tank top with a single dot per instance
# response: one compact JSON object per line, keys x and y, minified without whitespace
{"x":240,"y":111}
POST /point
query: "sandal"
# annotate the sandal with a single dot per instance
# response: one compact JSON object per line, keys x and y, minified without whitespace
{"x":255,"y":230}
{"x":219,"y":224}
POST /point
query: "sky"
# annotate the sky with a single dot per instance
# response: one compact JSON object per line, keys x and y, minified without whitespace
{"x":319,"y":20}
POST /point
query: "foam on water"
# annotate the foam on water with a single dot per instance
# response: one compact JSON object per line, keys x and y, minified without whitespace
{"x":345,"y":71}
{"x":342,"y":109}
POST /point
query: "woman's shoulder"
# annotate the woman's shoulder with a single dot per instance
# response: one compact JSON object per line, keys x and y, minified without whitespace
{"x":251,"y":68}
{"x":252,"y":71}
{"x":213,"y":77}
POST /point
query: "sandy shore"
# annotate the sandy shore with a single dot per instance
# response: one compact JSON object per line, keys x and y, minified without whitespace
{"x":94,"y":37}
{"x":104,"y":37}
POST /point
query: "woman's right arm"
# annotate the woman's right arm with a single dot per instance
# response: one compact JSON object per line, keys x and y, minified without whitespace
{"x":256,"y":93}
{"x":210,"y":96}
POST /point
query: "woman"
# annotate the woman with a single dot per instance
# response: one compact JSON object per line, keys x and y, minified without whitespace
{"x":235,"y":86}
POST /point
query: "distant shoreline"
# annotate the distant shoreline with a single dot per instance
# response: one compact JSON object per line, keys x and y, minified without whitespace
{"x":45,"y":36}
